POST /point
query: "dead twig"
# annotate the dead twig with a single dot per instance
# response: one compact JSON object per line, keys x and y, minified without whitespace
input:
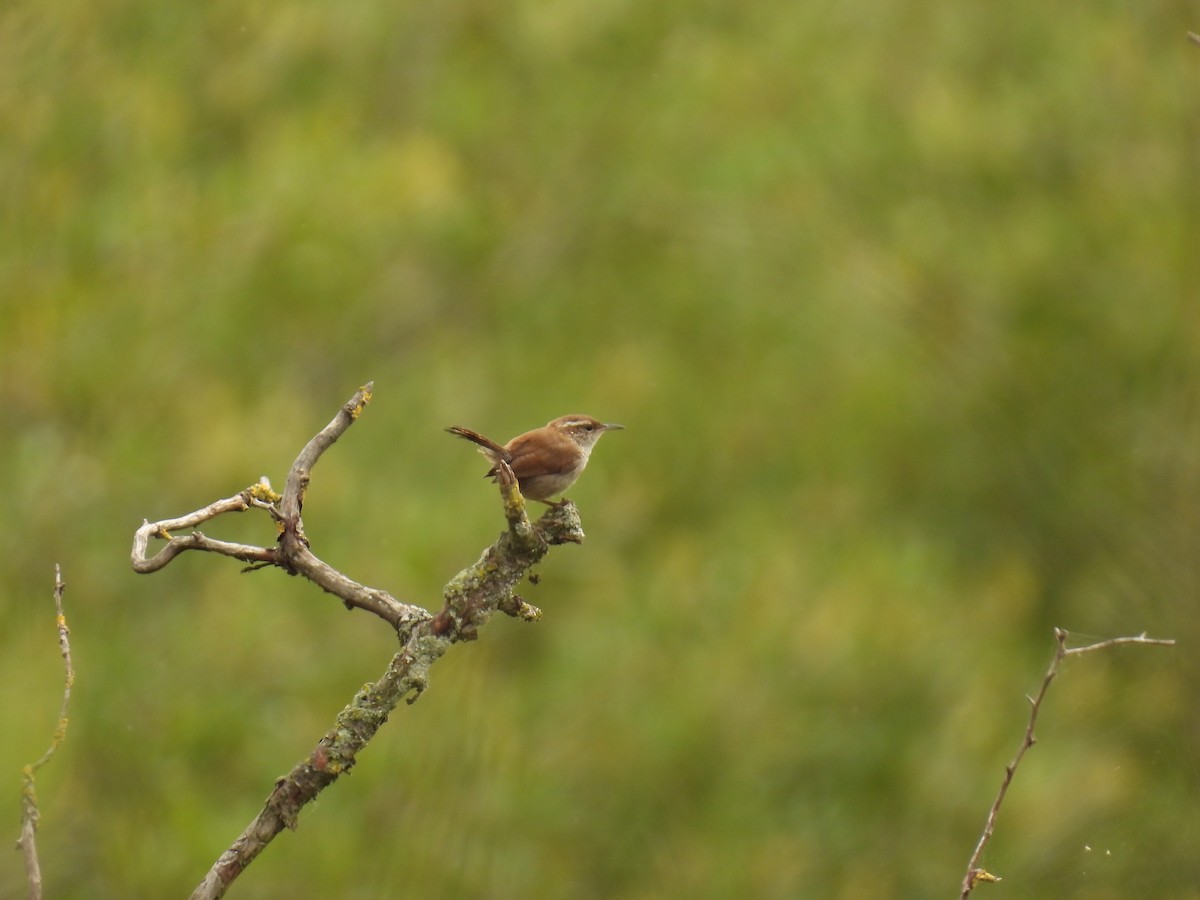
{"x":292,"y":553}
{"x":975,"y":874}
{"x":30,"y":816}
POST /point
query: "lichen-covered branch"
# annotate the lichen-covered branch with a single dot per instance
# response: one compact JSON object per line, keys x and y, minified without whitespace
{"x":27,"y":842}
{"x":479,"y":590}
{"x":470,"y":599}
{"x":334,"y":754}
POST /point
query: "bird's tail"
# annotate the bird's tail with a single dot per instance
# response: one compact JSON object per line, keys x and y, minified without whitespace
{"x":487,"y":446}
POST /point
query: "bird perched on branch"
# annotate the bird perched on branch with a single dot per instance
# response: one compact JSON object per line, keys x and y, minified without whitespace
{"x":547,"y":460}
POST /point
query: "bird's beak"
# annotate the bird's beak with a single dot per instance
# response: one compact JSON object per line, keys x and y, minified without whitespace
{"x":611,"y":426}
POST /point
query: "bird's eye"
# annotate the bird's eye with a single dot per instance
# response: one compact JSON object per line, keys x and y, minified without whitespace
{"x":588,"y":426}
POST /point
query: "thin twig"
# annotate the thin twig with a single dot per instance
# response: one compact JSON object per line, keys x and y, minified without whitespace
{"x":975,"y":874}
{"x":30,"y":815}
{"x":1114,"y":642}
{"x":239,"y":502}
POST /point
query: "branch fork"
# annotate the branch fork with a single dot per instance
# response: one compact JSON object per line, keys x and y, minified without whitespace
{"x":975,"y":874}
{"x":469,"y":601}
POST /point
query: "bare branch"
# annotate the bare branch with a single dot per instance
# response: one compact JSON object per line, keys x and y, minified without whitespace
{"x":301,"y":471}
{"x":471,"y":598}
{"x":239,"y":502}
{"x":975,"y":874}
{"x":1117,"y":641}
{"x":292,"y":553}
{"x":27,"y":842}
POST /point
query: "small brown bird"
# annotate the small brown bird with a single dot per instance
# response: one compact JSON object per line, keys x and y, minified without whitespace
{"x":547,"y":460}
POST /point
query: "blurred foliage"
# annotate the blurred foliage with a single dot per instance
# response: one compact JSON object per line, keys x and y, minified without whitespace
{"x":898,"y":304}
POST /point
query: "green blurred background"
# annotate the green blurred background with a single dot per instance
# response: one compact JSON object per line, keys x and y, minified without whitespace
{"x":897,"y":303}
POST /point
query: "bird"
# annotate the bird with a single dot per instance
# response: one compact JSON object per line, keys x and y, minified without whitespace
{"x":546,"y":460}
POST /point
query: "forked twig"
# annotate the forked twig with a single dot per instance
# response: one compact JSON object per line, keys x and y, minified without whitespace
{"x":292,"y":552}
{"x":27,"y":842}
{"x":975,"y":874}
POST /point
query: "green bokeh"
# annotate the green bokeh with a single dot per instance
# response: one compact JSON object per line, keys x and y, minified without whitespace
{"x":898,"y":305}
